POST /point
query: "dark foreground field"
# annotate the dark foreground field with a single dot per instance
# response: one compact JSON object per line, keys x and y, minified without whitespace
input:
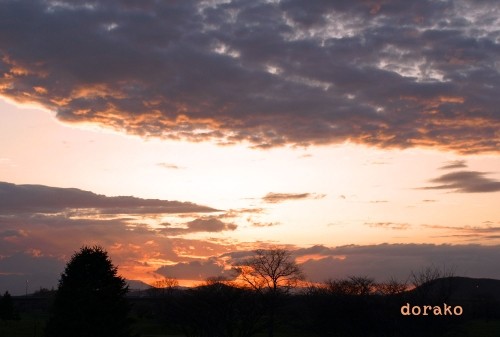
{"x":220,"y":310}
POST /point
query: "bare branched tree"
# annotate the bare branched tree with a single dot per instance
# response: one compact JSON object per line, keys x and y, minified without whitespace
{"x":353,"y":285}
{"x":218,"y":281}
{"x":430,"y":274}
{"x":392,"y":287}
{"x":164,"y":286}
{"x":272,"y":270}
{"x":433,"y":282}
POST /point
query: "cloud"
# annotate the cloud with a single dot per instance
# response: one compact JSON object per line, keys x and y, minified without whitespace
{"x":465,"y":182}
{"x":238,"y":212}
{"x":274,"y":198}
{"x":397,"y":260}
{"x":209,"y":225}
{"x":12,"y":233}
{"x":469,"y":233}
{"x":454,"y":164}
{"x":396,"y":74}
{"x":265,"y":224}
{"x":384,"y":261}
{"x":42,"y":224}
{"x":388,"y":225}
{"x":45,"y":199}
{"x":169,"y":166}
{"x":23,"y":270}
{"x":195,"y":270}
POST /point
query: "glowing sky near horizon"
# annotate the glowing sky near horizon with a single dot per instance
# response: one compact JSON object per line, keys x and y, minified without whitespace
{"x":356,"y":194}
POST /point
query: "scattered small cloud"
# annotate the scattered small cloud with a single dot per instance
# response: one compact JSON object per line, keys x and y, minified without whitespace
{"x":265,"y":224}
{"x":475,"y":230}
{"x":465,"y":182}
{"x":388,"y":225}
{"x":169,"y":166}
{"x":488,"y":231}
{"x":376,"y":162}
{"x":454,"y":164}
{"x":207,"y":225}
{"x":239,"y":212}
{"x":274,"y":198}
{"x":12,"y":233}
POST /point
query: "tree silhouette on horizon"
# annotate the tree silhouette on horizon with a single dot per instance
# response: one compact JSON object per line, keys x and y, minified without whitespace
{"x":271,"y":272}
{"x":90,"y":299}
{"x":7,"y":310}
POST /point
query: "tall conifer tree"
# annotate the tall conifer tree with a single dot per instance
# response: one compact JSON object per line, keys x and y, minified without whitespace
{"x":90,"y":300}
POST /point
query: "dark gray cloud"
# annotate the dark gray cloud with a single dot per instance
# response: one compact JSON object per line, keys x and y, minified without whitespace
{"x":208,"y":224}
{"x":465,"y":182}
{"x":24,"y":270}
{"x":392,"y":73}
{"x":274,"y":198}
{"x":398,"y":260}
{"x":46,"y":199}
{"x":195,"y":270}
{"x":384,"y":261}
{"x":54,"y":221}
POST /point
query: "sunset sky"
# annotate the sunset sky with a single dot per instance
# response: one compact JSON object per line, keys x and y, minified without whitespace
{"x":364,"y":136}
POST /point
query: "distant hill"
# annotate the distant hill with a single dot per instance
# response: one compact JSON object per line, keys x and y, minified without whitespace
{"x":135,"y":285}
{"x":473,"y":288}
{"x":464,"y":288}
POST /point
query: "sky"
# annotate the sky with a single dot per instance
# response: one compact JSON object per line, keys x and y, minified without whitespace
{"x":180,"y":136}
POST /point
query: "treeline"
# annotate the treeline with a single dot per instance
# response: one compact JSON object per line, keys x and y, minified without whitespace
{"x":354,"y":306}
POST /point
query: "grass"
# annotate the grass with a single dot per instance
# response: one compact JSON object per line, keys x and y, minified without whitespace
{"x":27,"y":326}
{"x":32,"y":325}
{"x":480,"y":328}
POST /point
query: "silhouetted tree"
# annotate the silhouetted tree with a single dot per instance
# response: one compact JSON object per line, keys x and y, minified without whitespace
{"x":353,"y":285}
{"x":7,"y":311}
{"x":90,"y":300}
{"x":271,"y":272}
{"x":392,"y":287}
{"x":163,"y":287}
{"x":433,"y":283}
{"x":217,"y":309}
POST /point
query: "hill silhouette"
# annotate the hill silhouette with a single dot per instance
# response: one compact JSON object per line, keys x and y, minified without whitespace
{"x":464,"y":288}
